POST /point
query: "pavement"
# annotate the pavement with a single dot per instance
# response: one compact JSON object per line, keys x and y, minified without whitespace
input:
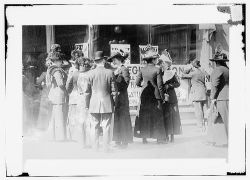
{"x":190,"y":144}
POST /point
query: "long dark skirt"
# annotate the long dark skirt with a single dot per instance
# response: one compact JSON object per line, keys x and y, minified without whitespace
{"x":172,"y":120}
{"x":150,"y":123}
{"x":122,"y":131}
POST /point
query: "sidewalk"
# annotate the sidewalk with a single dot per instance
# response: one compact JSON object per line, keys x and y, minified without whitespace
{"x":190,"y":144}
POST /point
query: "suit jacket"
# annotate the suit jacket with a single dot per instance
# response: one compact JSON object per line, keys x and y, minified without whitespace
{"x":198,"y":87}
{"x":101,"y":90}
{"x":220,"y":83}
{"x":151,"y":74}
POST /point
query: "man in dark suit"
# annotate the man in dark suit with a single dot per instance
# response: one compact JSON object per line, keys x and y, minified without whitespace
{"x":220,"y":86}
{"x":100,"y":100}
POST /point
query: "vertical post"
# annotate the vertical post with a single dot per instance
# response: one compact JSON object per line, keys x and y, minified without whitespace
{"x":149,"y":34}
{"x":50,"y":36}
{"x":90,"y":41}
{"x":186,"y":58}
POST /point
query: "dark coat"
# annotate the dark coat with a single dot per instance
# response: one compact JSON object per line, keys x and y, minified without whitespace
{"x":220,"y":83}
{"x":101,"y":91}
{"x":171,"y":113}
{"x":150,"y":123}
{"x":122,"y":131}
{"x":198,"y":87}
{"x":170,"y":85}
{"x":151,"y":75}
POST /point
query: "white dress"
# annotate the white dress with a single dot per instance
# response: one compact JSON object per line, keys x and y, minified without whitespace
{"x":83,"y":113}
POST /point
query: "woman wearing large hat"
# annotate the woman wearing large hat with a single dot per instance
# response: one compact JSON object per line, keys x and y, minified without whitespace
{"x":122,"y":131}
{"x":56,"y":80}
{"x":170,"y":107}
{"x":220,"y":96}
{"x":150,"y":123}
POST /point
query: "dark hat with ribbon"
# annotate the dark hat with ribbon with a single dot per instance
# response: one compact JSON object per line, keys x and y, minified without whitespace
{"x":121,"y":55}
{"x":219,"y":56}
{"x":99,"y":55}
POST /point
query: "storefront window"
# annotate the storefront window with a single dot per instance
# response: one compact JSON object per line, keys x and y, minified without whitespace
{"x":67,"y":36}
{"x":180,"y":40}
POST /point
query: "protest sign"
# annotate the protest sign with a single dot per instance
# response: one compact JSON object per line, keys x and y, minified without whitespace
{"x":133,"y":90}
{"x":84,"y":47}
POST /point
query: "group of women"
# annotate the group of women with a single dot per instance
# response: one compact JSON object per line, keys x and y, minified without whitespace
{"x":62,"y":111}
{"x":158,"y":116}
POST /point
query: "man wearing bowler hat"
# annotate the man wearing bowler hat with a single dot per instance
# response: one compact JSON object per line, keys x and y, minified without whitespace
{"x":220,"y":86}
{"x":101,"y":92}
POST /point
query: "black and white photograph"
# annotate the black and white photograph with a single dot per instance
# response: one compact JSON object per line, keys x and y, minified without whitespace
{"x":110,"y":89}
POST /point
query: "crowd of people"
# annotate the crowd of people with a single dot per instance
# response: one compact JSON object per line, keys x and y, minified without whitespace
{"x":89,"y":99}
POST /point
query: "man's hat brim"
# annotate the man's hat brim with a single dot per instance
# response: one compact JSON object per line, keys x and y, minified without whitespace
{"x":218,"y":59}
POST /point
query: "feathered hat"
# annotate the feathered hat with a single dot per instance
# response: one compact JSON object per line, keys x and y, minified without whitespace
{"x":150,"y":53}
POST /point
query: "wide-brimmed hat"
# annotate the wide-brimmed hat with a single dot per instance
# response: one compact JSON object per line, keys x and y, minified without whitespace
{"x":150,"y":54}
{"x":99,"y":55}
{"x":165,"y":57}
{"x":219,"y":56}
{"x":55,"y":48}
{"x":119,"y":55}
